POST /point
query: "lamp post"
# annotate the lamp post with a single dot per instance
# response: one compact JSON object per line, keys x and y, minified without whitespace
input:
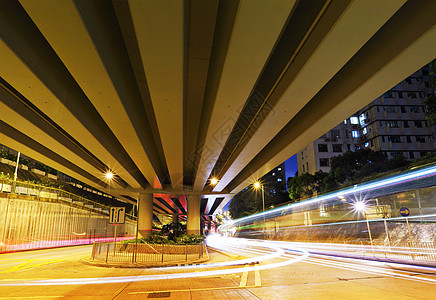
{"x":14,"y":184}
{"x":258,"y":185}
{"x":16,"y":167}
{"x":109,"y":176}
{"x":360,"y":207}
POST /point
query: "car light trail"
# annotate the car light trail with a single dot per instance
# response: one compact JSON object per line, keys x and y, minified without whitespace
{"x":278,"y":253}
{"x":336,"y":196}
{"x":379,"y":270}
{"x":370,"y":267}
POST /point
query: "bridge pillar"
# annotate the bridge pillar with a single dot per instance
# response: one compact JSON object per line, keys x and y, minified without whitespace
{"x":193,"y":220}
{"x":145,"y":215}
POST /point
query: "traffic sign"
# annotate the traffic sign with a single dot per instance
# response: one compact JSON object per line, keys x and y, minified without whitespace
{"x":404,"y":211}
{"x":117,"y":215}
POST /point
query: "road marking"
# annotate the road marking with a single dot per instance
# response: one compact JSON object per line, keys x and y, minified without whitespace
{"x":197,"y":290}
{"x":25,"y":265}
{"x":244,"y":278}
{"x":18,"y":267}
{"x":257,"y":281}
{"x":32,"y":297}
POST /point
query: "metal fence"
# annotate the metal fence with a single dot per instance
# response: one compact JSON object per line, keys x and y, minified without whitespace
{"x":35,"y":190}
{"x":418,"y":251}
{"x":31,"y":222}
{"x":147,"y":253}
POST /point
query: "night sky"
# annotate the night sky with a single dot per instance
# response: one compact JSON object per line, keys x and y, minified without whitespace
{"x":291,"y":166}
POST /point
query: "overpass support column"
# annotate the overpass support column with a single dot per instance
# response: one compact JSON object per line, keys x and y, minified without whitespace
{"x":145,"y":215}
{"x":193,"y":221}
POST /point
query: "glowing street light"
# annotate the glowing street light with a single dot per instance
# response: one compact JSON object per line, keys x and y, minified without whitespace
{"x":214,"y":181}
{"x":109,"y":175}
{"x":258,"y":185}
{"x":360,"y":206}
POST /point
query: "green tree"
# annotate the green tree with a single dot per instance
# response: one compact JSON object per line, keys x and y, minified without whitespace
{"x":430,"y":101}
{"x":352,"y":165}
{"x":242,"y":204}
{"x":306,"y":184}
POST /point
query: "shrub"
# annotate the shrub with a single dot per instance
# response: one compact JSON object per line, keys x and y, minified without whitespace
{"x":156,"y":238}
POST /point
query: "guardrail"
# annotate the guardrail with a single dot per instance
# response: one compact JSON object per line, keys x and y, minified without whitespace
{"x":128,"y":253}
{"x":418,"y":251}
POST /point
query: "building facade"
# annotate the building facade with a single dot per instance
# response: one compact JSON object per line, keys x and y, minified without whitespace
{"x":275,"y":180}
{"x":393,"y":123}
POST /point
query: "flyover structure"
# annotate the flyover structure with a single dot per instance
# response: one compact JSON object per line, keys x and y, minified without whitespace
{"x":170,"y":94}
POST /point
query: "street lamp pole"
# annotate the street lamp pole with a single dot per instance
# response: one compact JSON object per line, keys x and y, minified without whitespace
{"x":263,"y":203}
{"x":16,"y":167}
{"x":258,"y":185}
{"x":263,"y":211}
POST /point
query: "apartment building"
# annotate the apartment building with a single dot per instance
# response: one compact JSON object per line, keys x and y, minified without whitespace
{"x":393,"y":123}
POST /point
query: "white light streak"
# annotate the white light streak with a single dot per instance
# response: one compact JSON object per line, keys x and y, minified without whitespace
{"x":397,"y":179}
{"x":243,"y":243}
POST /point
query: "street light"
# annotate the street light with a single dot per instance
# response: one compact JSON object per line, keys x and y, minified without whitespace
{"x":109,"y":175}
{"x":258,"y":185}
{"x":360,"y":206}
{"x":213,"y":181}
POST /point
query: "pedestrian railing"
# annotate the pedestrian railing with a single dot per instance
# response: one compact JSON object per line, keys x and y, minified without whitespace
{"x":419,"y":251}
{"x":147,"y":253}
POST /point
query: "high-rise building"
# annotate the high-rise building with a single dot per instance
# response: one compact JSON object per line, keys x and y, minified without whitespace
{"x":275,"y":180}
{"x":393,"y":123}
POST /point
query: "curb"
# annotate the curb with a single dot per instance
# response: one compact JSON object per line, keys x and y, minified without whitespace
{"x":96,"y":263}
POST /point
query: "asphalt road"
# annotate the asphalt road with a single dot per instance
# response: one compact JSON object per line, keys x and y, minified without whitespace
{"x":265,"y":272}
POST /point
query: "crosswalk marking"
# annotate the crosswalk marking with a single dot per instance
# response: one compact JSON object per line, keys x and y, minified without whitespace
{"x":257,"y":281}
{"x":244,"y":278}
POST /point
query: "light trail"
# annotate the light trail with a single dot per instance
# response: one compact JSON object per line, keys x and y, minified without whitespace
{"x":370,"y":267}
{"x":278,"y":253}
{"x":349,"y":248}
{"x":401,"y":271}
{"x":365,"y":187}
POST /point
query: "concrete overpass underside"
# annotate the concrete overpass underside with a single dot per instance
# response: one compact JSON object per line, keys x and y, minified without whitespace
{"x":169,"y":94}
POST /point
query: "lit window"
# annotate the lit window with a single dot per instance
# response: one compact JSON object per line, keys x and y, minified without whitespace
{"x":355,"y":133}
{"x":366,"y":144}
{"x":364,"y":131}
{"x":362,"y":120}
{"x":354,"y":120}
{"x":279,"y":179}
{"x":345,"y":121}
{"x":273,"y":174}
{"x":279,"y":169}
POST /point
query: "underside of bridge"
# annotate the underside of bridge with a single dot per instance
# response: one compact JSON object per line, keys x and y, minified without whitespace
{"x":169,"y":94}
